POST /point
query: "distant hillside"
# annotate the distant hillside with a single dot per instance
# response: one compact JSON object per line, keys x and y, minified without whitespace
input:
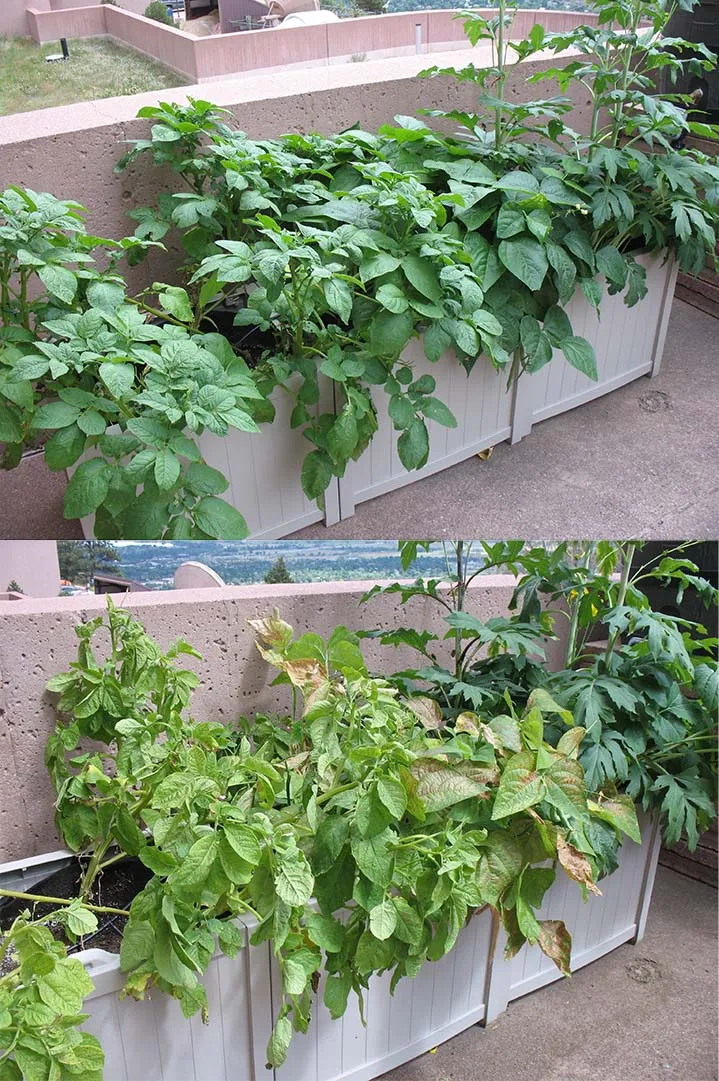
{"x":154,"y":563}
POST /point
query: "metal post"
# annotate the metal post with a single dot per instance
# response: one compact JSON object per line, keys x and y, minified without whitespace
{"x":418,"y":37}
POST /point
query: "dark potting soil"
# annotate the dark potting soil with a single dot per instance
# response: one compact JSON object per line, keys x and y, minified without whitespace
{"x":114,"y":888}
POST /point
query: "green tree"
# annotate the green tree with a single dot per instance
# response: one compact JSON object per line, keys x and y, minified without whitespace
{"x":278,"y":572}
{"x":80,"y":560}
{"x":158,"y":11}
{"x":13,"y":587}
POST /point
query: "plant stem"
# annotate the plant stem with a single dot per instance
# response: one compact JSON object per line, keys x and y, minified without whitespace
{"x":38,"y":898}
{"x":623,"y":585}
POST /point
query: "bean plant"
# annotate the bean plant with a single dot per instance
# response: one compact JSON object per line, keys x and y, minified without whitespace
{"x":358,"y":833}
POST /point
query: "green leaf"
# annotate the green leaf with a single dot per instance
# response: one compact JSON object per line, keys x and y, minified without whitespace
{"x":393,"y":796}
{"x":325,"y":932}
{"x":339,"y":298}
{"x":175,"y":301}
{"x":436,"y":342}
{"x":55,"y":415}
{"x":520,"y":786}
{"x":316,"y":474}
{"x":219,"y":520}
{"x":118,"y":377}
{"x":409,"y":924}
{"x":373,"y":857}
{"x":107,"y":296}
{"x":190,"y":877}
{"x":592,"y":290}
{"x":377,"y":265}
{"x":87,"y":488}
{"x":389,"y":333}
{"x":435,"y":410}
{"x":64,"y":988}
{"x":393,"y":298}
{"x":64,"y":447}
{"x":294,"y":880}
{"x":501,"y":863}
{"x":487,"y":323}
{"x":80,"y":920}
{"x":202,"y":478}
{"x":422,"y":275}
{"x":413,"y":445}
{"x":337,"y":989}
{"x":279,"y":1043}
{"x":137,"y":945}
{"x":167,"y":468}
{"x":244,"y":842}
{"x":342,"y":436}
{"x":611,"y":263}
{"x":526,"y":259}
{"x":580,"y":354}
{"x":59,"y":282}
{"x":383,"y":920}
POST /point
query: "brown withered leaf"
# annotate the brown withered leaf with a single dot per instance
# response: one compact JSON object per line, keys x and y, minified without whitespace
{"x":306,"y":674}
{"x":427,"y":712}
{"x":575,"y":863}
{"x":272,"y":630}
{"x":467,"y":722}
{"x":556,"y":941}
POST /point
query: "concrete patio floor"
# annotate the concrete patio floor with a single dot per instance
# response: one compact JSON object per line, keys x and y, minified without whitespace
{"x":641,"y":462}
{"x":642,"y":1013}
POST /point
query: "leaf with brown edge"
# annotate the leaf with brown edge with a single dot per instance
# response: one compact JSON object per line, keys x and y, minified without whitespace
{"x":441,"y":784}
{"x":568,"y":775}
{"x":575,"y":863}
{"x":468,"y":722}
{"x":520,"y":786}
{"x":427,"y":712}
{"x":555,"y":940}
{"x":492,"y":737}
{"x":515,"y":938}
{"x":618,"y":811}
{"x":569,"y":743}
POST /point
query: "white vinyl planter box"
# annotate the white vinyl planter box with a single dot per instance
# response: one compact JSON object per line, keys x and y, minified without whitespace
{"x":628,"y":343}
{"x":152,"y":1040}
{"x":264,"y":469}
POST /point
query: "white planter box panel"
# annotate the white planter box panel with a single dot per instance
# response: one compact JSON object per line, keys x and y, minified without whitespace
{"x":445,"y":998}
{"x":480,"y":404}
{"x":628,"y":343}
{"x":264,"y":471}
{"x":152,"y":1041}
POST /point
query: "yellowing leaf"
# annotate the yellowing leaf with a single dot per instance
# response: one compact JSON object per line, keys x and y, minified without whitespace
{"x":554,"y":940}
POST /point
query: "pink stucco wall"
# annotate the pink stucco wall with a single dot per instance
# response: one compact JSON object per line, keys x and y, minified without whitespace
{"x":75,"y":22}
{"x":13,"y":20}
{"x":201,"y":59}
{"x":37,"y":640}
{"x":33,"y":565}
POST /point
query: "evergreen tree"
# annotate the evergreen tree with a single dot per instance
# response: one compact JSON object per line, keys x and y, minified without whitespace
{"x":13,"y":587}
{"x":80,"y":560}
{"x":278,"y":573}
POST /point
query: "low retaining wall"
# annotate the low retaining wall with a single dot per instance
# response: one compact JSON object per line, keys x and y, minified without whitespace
{"x":37,"y":640}
{"x":72,"y":150}
{"x":215,"y":56}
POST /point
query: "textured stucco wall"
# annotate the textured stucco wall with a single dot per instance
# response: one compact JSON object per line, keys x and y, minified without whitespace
{"x":71,"y":151}
{"x":13,"y":21}
{"x":32,"y":564}
{"x":37,"y":640}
